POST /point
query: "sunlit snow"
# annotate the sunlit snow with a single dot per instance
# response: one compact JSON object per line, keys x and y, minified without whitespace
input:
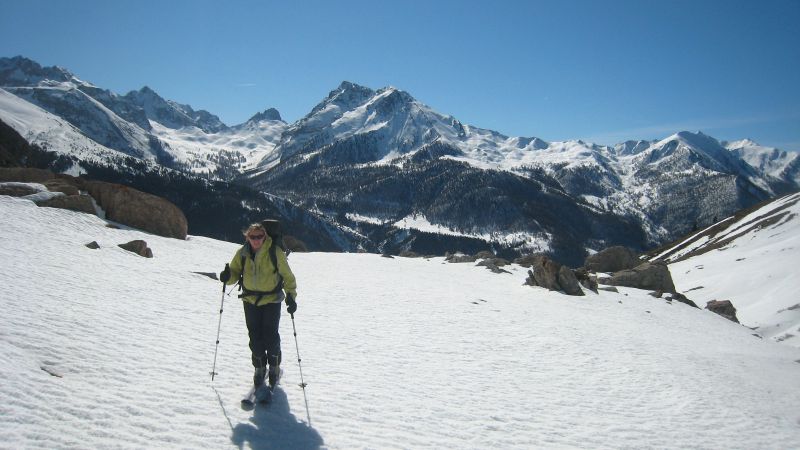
{"x":103,"y":348}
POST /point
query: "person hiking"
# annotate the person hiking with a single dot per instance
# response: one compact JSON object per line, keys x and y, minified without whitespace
{"x":261,"y":267}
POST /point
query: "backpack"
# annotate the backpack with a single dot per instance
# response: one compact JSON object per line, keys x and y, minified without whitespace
{"x":273,"y":229}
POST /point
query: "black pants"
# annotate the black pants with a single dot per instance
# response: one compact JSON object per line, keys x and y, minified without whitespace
{"x":262,"y":327}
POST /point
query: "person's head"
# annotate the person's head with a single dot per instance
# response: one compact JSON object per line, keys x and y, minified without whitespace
{"x":255,"y":235}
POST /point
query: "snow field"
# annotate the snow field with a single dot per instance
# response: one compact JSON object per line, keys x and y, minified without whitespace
{"x":754,"y":272}
{"x":103,"y":348}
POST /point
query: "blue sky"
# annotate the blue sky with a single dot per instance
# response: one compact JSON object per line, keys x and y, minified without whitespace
{"x":601,"y":71}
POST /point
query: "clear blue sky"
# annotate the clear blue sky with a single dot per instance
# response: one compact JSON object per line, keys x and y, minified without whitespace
{"x":602,"y":71}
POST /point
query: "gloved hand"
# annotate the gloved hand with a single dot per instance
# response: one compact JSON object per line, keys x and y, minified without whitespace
{"x":225,"y":275}
{"x":291,"y":305}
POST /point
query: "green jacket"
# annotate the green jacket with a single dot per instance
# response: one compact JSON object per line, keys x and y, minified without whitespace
{"x":260,"y":275}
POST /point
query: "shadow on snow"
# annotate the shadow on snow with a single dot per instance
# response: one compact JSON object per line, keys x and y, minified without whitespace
{"x":273,"y":426}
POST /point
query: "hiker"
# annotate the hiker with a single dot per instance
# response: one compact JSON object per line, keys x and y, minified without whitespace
{"x":263,"y":270}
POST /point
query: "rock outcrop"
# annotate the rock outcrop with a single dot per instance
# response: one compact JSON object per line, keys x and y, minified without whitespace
{"x":550,"y":274}
{"x":121,"y":203}
{"x":612,"y":259}
{"x":138,"y":209}
{"x":724,"y":308}
{"x":139,"y":247}
{"x":654,"y":276}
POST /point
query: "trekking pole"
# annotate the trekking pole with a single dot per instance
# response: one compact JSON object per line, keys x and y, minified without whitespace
{"x":219,"y":326}
{"x":302,"y":382}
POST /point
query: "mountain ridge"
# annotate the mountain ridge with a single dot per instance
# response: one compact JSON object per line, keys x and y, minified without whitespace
{"x":372,"y":149}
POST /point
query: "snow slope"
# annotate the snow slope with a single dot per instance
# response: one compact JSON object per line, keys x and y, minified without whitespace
{"x":51,"y":132}
{"x":752,"y":267}
{"x":102,"y":348}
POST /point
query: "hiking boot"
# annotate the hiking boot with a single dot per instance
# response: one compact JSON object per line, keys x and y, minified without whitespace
{"x":274,"y":376}
{"x":258,"y":376}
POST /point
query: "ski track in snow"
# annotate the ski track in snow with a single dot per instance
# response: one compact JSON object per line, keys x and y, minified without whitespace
{"x":105,"y":349}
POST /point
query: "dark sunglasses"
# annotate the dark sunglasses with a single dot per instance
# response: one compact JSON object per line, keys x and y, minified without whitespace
{"x":257,"y":237}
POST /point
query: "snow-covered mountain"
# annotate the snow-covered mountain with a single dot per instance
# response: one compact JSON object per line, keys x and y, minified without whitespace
{"x":777,"y":163}
{"x":59,"y":146}
{"x":142,"y":123}
{"x":369,"y":155}
{"x":383,"y":166}
{"x":103,"y":348}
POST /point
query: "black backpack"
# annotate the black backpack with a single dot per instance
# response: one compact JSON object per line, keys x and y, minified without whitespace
{"x":273,"y":229}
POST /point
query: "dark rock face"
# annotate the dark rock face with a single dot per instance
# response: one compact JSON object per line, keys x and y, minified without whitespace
{"x":651,"y":275}
{"x":138,"y":209}
{"x":612,"y":259}
{"x":724,"y":308}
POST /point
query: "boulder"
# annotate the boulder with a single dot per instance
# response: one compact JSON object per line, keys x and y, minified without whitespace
{"x":544,"y":273}
{"x":93,"y":245}
{"x":682,"y":298}
{"x":26,"y":174}
{"x":586,"y":280}
{"x":80,"y":203}
{"x":139,"y":247}
{"x":459,"y":258}
{"x":61,"y":185}
{"x":494,"y":264}
{"x":568,"y":282}
{"x":607,"y":288}
{"x":14,"y":189}
{"x":485,"y":255}
{"x":612,"y":259}
{"x":653,"y":276}
{"x":528,"y":260}
{"x":138,"y":209}
{"x":551,"y":275}
{"x":724,"y":308}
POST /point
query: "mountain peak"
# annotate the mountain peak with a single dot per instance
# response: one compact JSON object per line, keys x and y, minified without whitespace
{"x":172,"y":114}
{"x":347,"y":96}
{"x":21,"y":70}
{"x":746,"y":142}
{"x":269,"y":114}
{"x":632,"y":147}
{"x":345,"y":85}
{"x":697,"y":140}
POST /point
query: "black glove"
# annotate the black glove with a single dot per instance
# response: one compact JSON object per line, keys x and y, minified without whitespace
{"x":291,"y":305}
{"x":225,"y":275}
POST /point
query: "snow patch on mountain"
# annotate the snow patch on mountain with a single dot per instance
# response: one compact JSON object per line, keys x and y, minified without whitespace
{"x":199,"y":151}
{"x":531,"y":242}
